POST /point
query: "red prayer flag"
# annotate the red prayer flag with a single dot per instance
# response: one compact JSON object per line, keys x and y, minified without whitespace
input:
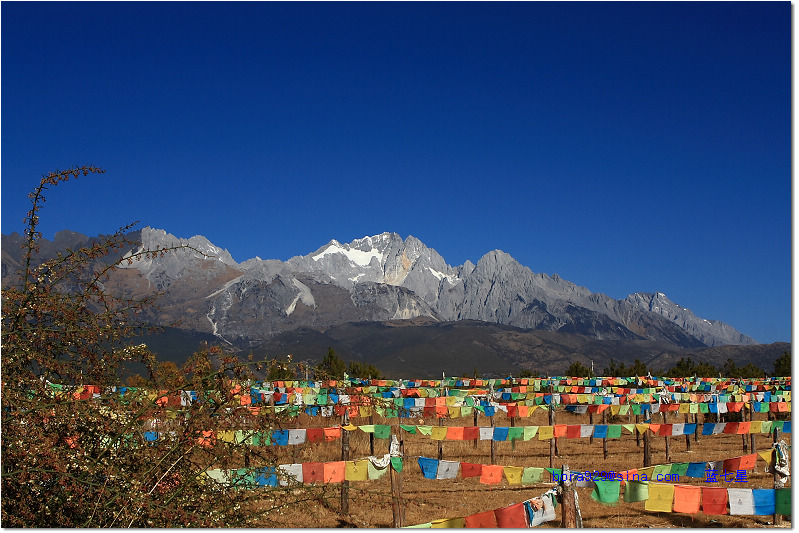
{"x":471,"y":470}
{"x":486,"y":519}
{"x":312,"y":472}
{"x":732,"y":428}
{"x":314,"y":434}
{"x":573,"y":431}
{"x":665,"y":430}
{"x":714,"y":500}
{"x":471,"y":433}
{"x":514,"y":516}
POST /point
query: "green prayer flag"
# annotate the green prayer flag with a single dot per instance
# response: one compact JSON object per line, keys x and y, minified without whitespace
{"x":515,"y":433}
{"x":606,"y":492}
{"x":396,"y":463}
{"x":531,"y":475}
{"x":636,"y":491}
{"x":662,"y":470}
{"x":783,"y":503}
{"x":614,"y":431}
{"x":382,"y":431}
{"x":554,"y":474}
{"x":374,"y":472}
{"x":703,"y":408}
{"x":680,"y":469}
{"x":409,"y":429}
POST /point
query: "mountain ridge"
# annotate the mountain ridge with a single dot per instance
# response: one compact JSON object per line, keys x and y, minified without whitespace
{"x":383,"y":277}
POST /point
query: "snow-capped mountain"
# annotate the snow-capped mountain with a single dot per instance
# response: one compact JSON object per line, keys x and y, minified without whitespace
{"x":385,"y":277}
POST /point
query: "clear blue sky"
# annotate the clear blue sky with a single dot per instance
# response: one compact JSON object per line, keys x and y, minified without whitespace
{"x":626,"y":147}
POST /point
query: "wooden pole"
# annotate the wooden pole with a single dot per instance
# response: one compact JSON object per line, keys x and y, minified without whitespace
{"x":604,"y":439}
{"x":493,"y":458}
{"x":372,"y":436}
{"x":590,"y":422}
{"x":552,"y":444}
{"x":647,"y":454}
{"x":440,"y":443}
{"x":345,"y":456}
{"x":696,"y":431}
{"x":568,"y":517}
{"x":668,"y":447}
{"x":475,"y":410}
{"x":397,"y":506}
{"x":687,"y":436}
{"x":777,"y":519}
{"x":637,"y":435}
{"x":513,"y":424}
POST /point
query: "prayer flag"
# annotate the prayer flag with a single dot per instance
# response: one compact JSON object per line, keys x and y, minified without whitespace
{"x":513,"y":516}
{"x":487,"y":519}
{"x":356,"y":470}
{"x":513,"y":474}
{"x":764,"y":500}
{"x":714,"y":500}
{"x":532,"y":475}
{"x":636,"y":491}
{"x":660,"y":498}
{"x":545,"y":432}
{"x":606,"y":492}
{"x":313,"y":472}
{"x":447,"y":469}
{"x":687,"y":498}
{"x":471,"y":470}
{"x":491,"y":474}
{"x":783,"y":501}
{"x":741,"y":501}
{"x":429,"y":467}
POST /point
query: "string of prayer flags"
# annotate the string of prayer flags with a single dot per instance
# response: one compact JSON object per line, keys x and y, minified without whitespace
{"x":687,"y":499}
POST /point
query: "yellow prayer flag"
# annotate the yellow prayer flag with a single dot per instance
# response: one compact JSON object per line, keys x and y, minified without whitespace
{"x":614,"y":409}
{"x":684,"y":409}
{"x":365,"y":411}
{"x":755,"y":425}
{"x":582,"y":398}
{"x":439,"y":433}
{"x":356,"y":470}
{"x":454,"y":412}
{"x":451,"y":400}
{"x":545,"y":432}
{"x":514,"y":474}
{"x":448,"y":523}
{"x":642,"y":428}
{"x":349,"y":427}
{"x":767,"y":456}
{"x":661,"y":498}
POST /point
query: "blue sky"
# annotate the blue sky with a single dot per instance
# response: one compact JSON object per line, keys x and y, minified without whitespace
{"x":627,"y":147}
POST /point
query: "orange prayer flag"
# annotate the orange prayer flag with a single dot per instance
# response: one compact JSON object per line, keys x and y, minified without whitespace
{"x":332,"y":433}
{"x":333,"y":472}
{"x":455,"y":433}
{"x":687,"y":498}
{"x":743,"y":427}
{"x":655,"y":428}
{"x":491,"y":474}
{"x":560,"y":430}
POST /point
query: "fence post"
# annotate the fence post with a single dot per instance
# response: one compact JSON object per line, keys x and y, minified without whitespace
{"x":569,"y":512}
{"x":777,"y":519}
{"x":647,"y":454}
{"x":397,"y":507}
{"x":604,"y":439}
{"x":345,"y":456}
{"x":668,"y":447}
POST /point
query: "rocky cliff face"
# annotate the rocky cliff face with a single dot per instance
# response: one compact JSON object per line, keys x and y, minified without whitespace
{"x":384,"y":277}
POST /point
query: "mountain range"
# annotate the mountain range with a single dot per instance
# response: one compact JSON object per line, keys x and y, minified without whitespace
{"x":379,"y":278}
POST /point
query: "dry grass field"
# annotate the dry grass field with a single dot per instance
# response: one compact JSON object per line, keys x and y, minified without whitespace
{"x":426,"y":500}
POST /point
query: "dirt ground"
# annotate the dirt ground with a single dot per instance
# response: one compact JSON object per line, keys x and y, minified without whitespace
{"x":425,"y":500}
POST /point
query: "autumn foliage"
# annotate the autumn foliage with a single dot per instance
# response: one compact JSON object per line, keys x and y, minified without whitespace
{"x":73,"y":446}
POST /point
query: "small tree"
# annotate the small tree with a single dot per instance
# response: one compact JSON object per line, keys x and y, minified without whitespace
{"x":577,"y":369}
{"x":75,"y":446}
{"x":332,"y":366}
{"x":782,"y":365}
